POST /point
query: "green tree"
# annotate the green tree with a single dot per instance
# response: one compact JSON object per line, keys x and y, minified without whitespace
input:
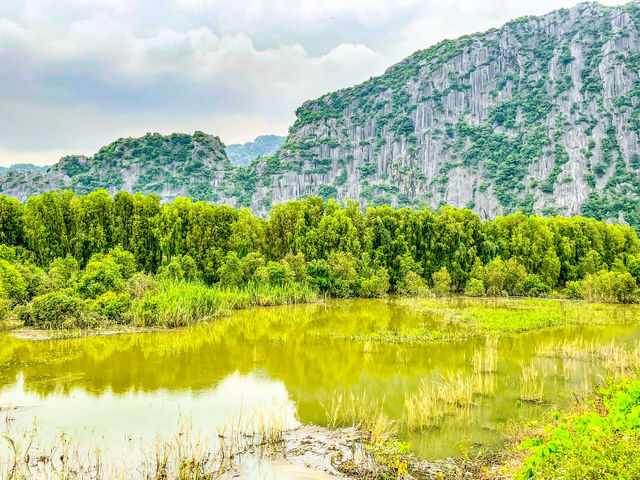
{"x":475,"y":288}
{"x":231,"y":271}
{"x":515,"y":276}
{"x":11,"y":221}
{"x":342,"y":274}
{"x":441,"y":282}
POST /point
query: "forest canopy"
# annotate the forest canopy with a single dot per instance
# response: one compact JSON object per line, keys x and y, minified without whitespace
{"x":62,"y":252}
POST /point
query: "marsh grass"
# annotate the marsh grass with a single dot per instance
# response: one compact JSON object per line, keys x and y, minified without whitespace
{"x":615,"y":359}
{"x":485,"y":385}
{"x":574,"y":348}
{"x":531,"y":384}
{"x":620,"y":362}
{"x":185,"y":456}
{"x":452,"y":394}
{"x":485,"y":360}
{"x":456,"y":390}
{"x":185,"y":303}
{"x":423,"y":409}
{"x":458,"y":318}
{"x":356,"y":410}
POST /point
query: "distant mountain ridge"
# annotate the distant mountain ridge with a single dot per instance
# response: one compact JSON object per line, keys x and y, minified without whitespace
{"x":541,"y":115}
{"x":23,"y":167}
{"x":243,"y":154}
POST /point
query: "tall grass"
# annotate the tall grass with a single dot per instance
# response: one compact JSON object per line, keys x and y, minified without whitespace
{"x":531,"y":384}
{"x":185,"y":303}
{"x":423,"y":409}
{"x":456,"y":390}
{"x":186,"y":455}
{"x":453,"y":394}
{"x":616,"y":360}
{"x":352,"y":410}
{"x":485,"y":360}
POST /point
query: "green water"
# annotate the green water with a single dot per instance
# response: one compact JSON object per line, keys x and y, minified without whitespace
{"x":118,"y":389}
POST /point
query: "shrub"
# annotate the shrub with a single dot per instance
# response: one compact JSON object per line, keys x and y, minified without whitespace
{"x":319,"y":274}
{"x":4,"y":304}
{"x":112,"y":306}
{"x":534,"y":287}
{"x":475,"y":288}
{"x":413,"y":284}
{"x":181,"y":267}
{"x":297,"y":266}
{"x":231,"y":274}
{"x":61,"y":272}
{"x":515,"y":277}
{"x":125,"y":260}
{"x":275,"y":274}
{"x":376,"y":285}
{"x":189,"y":268}
{"x":59,"y":309}
{"x":591,"y":445}
{"x":139,"y":284}
{"x":342,"y":274}
{"x":607,"y":286}
{"x":441,"y":282}
{"x":625,"y":288}
{"x":573,"y":290}
{"x":12,"y":282}
{"x":101,"y":276}
{"x":493,"y":276}
{"x":171,"y":271}
{"x":251,"y":262}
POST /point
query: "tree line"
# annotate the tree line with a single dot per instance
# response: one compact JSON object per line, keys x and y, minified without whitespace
{"x":339,"y":250}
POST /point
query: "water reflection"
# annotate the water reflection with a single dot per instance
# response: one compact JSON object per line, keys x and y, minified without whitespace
{"x":291,"y":359}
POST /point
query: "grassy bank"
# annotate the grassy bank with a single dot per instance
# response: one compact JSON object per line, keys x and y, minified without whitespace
{"x":182,"y":304}
{"x":597,"y":438}
{"x":459,"y":318}
{"x":144,"y":301}
{"x":602,"y":442}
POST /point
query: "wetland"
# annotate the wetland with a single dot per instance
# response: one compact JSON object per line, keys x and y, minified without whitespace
{"x":442,"y":377}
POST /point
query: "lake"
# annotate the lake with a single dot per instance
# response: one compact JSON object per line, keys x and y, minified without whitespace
{"x":120,"y":392}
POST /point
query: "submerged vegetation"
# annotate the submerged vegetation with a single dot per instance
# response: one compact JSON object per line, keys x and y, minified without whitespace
{"x":77,"y":261}
{"x":447,"y":319}
{"x":394,"y":394}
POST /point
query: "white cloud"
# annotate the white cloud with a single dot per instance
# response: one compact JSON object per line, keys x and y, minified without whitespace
{"x":80,"y":73}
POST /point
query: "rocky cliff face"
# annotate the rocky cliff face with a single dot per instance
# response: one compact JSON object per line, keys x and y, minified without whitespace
{"x":177,"y":165}
{"x":541,"y":115}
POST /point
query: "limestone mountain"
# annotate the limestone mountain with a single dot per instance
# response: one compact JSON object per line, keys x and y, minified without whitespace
{"x":168,"y":166}
{"x":541,"y":115}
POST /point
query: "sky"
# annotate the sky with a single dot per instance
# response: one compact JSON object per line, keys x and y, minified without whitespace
{"x":77,"y":74}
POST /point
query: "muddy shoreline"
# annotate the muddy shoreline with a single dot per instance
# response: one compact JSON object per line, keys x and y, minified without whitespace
{"x":342,"y":453}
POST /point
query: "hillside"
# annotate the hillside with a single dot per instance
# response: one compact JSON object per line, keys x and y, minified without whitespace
{"x":169,"y":166}
{"x":243,"y":154}
{"x":541,"y":115}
